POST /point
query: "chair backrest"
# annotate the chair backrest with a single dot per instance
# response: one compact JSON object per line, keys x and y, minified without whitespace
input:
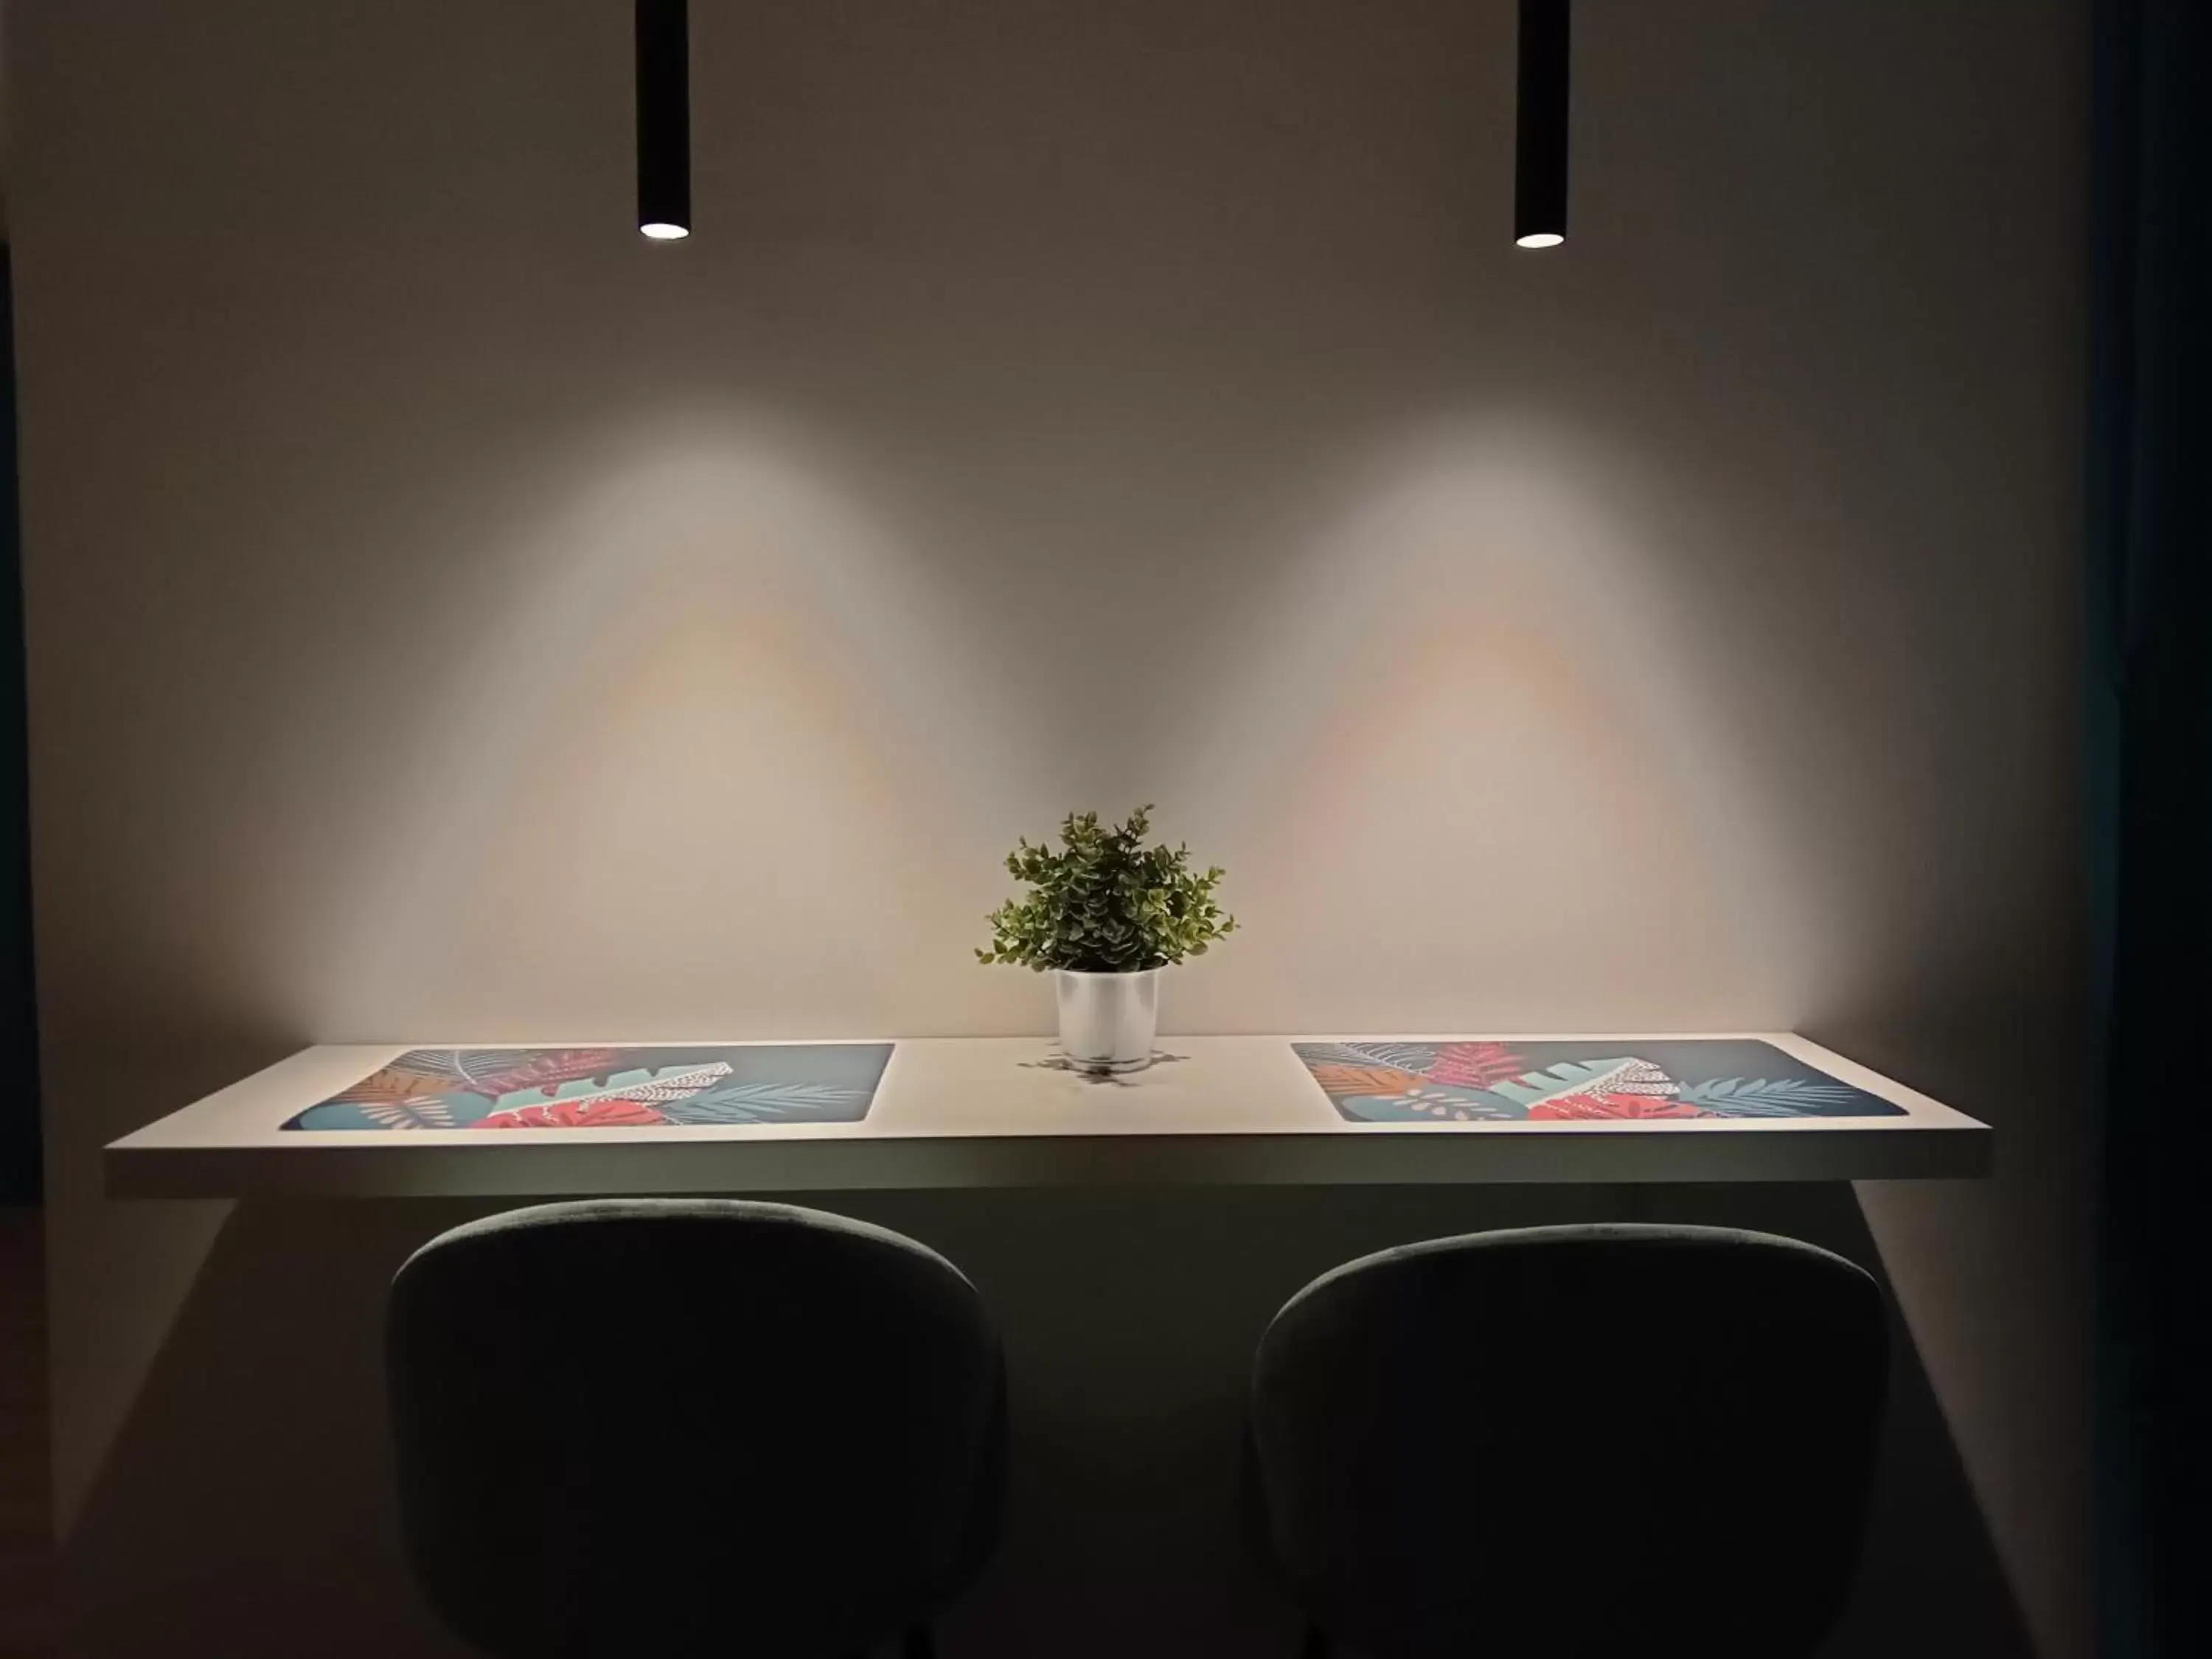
{"x":649,"y":1427}
{"x":1580,"y":1441}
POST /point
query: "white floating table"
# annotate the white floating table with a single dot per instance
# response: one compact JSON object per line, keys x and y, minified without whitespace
{"x":999,"y":1112}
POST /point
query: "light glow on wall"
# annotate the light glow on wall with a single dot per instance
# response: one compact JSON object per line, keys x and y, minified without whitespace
{"x":1477,"y":764}
{"x":708,"y":760}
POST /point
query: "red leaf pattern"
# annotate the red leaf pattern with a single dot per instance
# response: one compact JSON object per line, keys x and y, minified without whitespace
{"x":1475,"y":1065}
{"x":1572,"y":1107}
{"x":546,"y":1070}
{"x":605,"y":1112}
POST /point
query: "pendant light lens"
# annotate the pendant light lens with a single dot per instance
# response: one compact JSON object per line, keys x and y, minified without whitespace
{"x":664,"y":119}
{"x":1540,"y":204}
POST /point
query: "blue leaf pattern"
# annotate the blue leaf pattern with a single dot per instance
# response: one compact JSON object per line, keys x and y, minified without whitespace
{"x":1734,"y":1097}
{"x":1625,"y":1075}
{"x":1436,"y":1103}
{"x":1474,"y":1081}
{"x":766,"y":1102}
{"x":623,"y":1087}
{"x":424,"y":1112}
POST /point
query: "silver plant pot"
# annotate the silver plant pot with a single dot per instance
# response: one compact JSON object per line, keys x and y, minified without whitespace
{"x":1108,"y":1021}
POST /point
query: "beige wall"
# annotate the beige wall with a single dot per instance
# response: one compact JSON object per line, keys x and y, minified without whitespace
{"x":452,"y":617}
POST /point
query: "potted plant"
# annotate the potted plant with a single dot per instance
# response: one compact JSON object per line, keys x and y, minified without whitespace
{"x":1104,"y":915}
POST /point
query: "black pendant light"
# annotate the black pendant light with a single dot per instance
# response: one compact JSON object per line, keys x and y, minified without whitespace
{"x":1540,"y":206}
{"x":664,"y":119}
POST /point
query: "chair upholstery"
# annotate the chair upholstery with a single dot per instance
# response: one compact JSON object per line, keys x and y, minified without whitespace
{"x":679,"y":1427}
{"x":1580,"y":1441}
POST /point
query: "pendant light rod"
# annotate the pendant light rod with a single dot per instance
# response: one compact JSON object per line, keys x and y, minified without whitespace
{"x":664,"y":119}
{"x":1540,"y":204}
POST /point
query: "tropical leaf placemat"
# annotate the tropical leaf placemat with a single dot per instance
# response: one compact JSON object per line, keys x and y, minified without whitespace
{"x":1559,"y":1081}
{"x":610,"y":1088}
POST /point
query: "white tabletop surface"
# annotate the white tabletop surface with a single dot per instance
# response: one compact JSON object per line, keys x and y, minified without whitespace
{"x":999,"y":1112}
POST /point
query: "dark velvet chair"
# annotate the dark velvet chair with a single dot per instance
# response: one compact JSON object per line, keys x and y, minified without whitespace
{"x":1578,"y":1441}
{"x":655,"y":1427}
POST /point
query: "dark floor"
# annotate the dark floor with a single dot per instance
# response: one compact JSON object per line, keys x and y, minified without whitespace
{"x":28,"y":1619}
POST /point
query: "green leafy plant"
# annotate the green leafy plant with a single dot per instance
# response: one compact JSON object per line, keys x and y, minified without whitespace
{"x":1104,"y":903}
